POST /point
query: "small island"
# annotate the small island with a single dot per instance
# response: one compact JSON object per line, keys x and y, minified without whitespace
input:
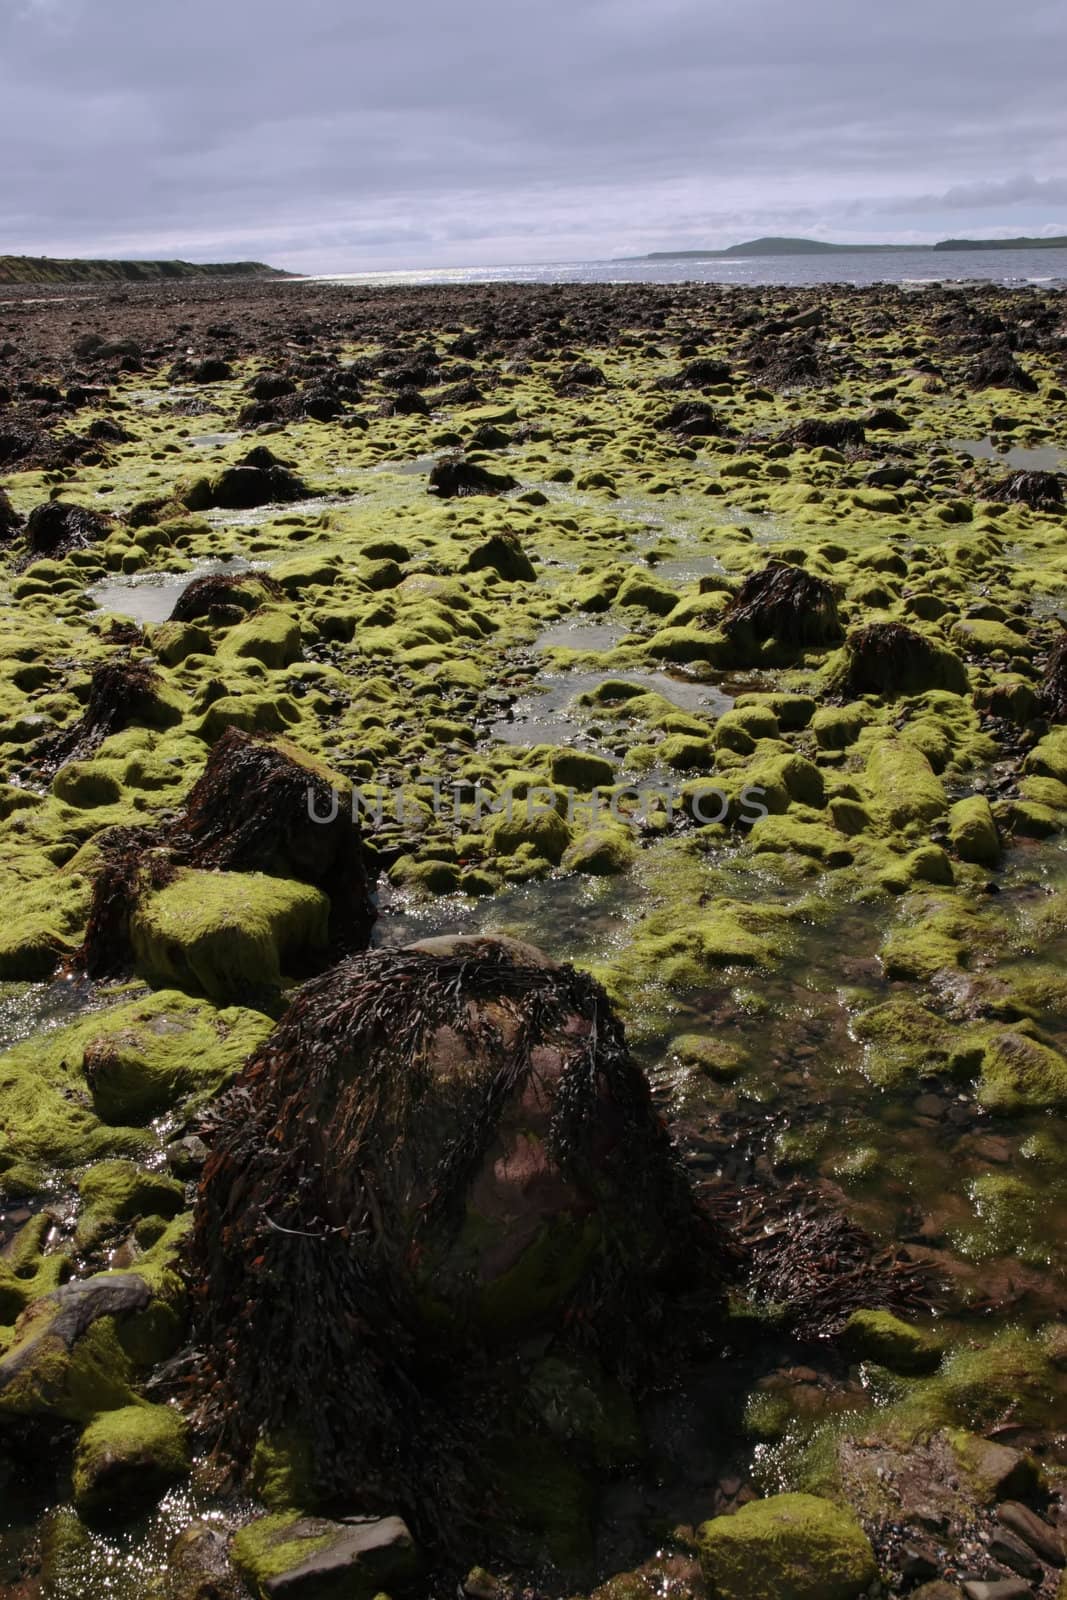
{"x":777,"y":246}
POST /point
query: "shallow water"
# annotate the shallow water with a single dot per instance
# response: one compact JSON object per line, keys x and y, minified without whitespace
{"x":551,"y":715}
{"x":151,"y":596}
{"x":1024,"y":458}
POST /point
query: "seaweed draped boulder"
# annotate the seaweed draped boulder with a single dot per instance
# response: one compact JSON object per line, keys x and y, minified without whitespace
{"x":263,"y":868}
{"x":442,"y":1153}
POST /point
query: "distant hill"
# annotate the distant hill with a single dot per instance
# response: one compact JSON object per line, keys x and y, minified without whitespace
{"x":1058,"y":243}
{"x":776,"y":246}
{"x":43,"y":269}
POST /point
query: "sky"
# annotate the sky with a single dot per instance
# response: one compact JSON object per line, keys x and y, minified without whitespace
{"x":363,"y":135}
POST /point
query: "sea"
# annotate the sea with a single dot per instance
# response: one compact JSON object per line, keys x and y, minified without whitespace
{"x":912,"y":269}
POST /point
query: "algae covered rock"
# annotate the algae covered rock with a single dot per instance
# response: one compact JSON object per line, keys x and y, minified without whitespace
{"x":601,"y":852}
{"x":310,"y":1558}
{"x":880,"y":1336}
{"x":229,"y":935}
{"x":972,"y":831}
{"x":453,"y":1138}
{"x":65,"y":1360}
{"x":890,"y":659}
{"x":126,"y":1459}
{"x":789,"y":1547}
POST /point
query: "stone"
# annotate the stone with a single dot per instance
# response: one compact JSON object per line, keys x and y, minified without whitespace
{"x":880,"y":1336}
{"x":309,"y":1558}
{"x":788,"y":1547}
{"x":126,"y":1459}
{"x":972,"y":831}
{"x":998,"y":1589}
{"x":1040,"y":1535}
{"x":199,"y":1566}
{"x":1011,"y":1552}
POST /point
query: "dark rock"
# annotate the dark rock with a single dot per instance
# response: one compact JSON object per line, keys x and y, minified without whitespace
{"x":920,"y":1560}
{"x":703,"y":373}
{"x":834,"y":433}
{"x":357,"y":1557}
{"x":10,"y":521}
{"x":58,"y":526}
{"x":888,"y":658}
{"x":998,"y":369}
{"x":884,"y":420}
{"x":199,"y":1567}
{"x":1012,"y":1553}
{"x":211,"y":370}
{"x":505,"y":555}
{"x":1040,"y":1535}
{"x":692,"y":419}
{"x":453,"y":476}
{"x":1041,"y":491}
{"x":785,"y":603}
{"x":480,"y":1104}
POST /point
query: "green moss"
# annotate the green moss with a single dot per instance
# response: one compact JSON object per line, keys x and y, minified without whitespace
{"x":789,"y":1547}
{"x":600,"y":852}
{"x":127,"y":1458}
{"x":972,"y":831}
{"x":879,"y":1336}
{"x":269,"y":636}
{"x":226,"y":934}
{"x":902,"y":784}
{"x":707,"y":1053}
{"x":545,"y":830}
{"x":1021,"y":1074}
{"x":113,"y":1192}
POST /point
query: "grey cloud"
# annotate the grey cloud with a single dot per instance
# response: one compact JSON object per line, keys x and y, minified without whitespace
{"x":331,"y":133}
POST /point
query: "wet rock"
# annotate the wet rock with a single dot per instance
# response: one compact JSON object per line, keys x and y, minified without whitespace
{"x":1040,"y":1535}
{"x":59,"y":526}
{"x":888,"y":658}
{"x":692,"y":419}
{"x":1012,"y":1553}
{"x":834,"y":433}
{"x":257,"y":480}
{"x":503,"y":553}
{"x":1053,"y":691}
{"x":199,"y":1567}
{"x":1042,"y":491}
{"x":998,"y":369}
{"x":478,"y":1103}
{"x":879,"y":1336}
{"x":998,"y":1589}
{"x":55,"y":1366}
{"x":791,"y":1545}
{"x":453,"y":476}
{"x":126,"y":1459}
{"x":785,"y":603}
{"x":10,"y":521}
{"x":309,"y":1558}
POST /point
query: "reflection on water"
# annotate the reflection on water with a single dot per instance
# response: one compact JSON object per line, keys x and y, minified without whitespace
{"x":1024,"y":458}
{"x":151,"y":596}
{"x":551,"y":713}
{"x":33,"y":1008}
{"x":581,"y":633}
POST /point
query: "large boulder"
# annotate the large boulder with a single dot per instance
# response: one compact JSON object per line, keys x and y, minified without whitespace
{"x":789,"y":1547}
{"x":442,"y":1153}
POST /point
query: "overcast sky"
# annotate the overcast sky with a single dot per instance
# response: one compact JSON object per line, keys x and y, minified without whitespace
{"x":333,"y":135}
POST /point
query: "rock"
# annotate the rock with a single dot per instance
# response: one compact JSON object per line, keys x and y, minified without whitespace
{"x":879,"y":1336}
{"x":454,"y":476}
{"x":199,"y":1566}
{"x":126,"y":1459}
{"x":229,"y":935}
{"x":600,"y":852}
{"x":998,"y":1589}
{"x":308,"y":1558}
{"x":788,"y":1547}
{"x":1012,"y":1553}
{"x":1040,"y":1535}
{"x":504,"y":555}
{"x":937,"y":1591}
{"x":972,"y":831}
{"x":251,"y":484}
{"x":581,"y":770}
{"x":114,"y":1192}
{"x":58,"y":526}
{"x":717,"y":1057}
{"x":993,"y":1471}
{"x":64,"y":1360}
{"x":786,"y":603}
{"x":437,"y":1079}
{"x":890,"y":659}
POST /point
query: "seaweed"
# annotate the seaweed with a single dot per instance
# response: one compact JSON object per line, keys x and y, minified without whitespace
{"x":1053,"y":692}
{"x":1041,"y":491}
{"x":453,"y":476}
{"x":335,"y":1278}
{"x":786,"y":603}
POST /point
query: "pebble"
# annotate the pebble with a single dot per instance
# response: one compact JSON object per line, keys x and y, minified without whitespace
{"x":1012,"y":1552}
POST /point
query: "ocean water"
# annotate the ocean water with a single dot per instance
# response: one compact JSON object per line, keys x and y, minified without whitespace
{"x":911,"y":269}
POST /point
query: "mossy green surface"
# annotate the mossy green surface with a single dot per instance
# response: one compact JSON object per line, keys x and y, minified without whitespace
{"x":126,"y":1458}
{"x":790,"y":1547}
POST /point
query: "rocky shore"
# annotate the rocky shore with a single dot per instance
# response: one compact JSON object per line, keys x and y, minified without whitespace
{"x":531,"y":985}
